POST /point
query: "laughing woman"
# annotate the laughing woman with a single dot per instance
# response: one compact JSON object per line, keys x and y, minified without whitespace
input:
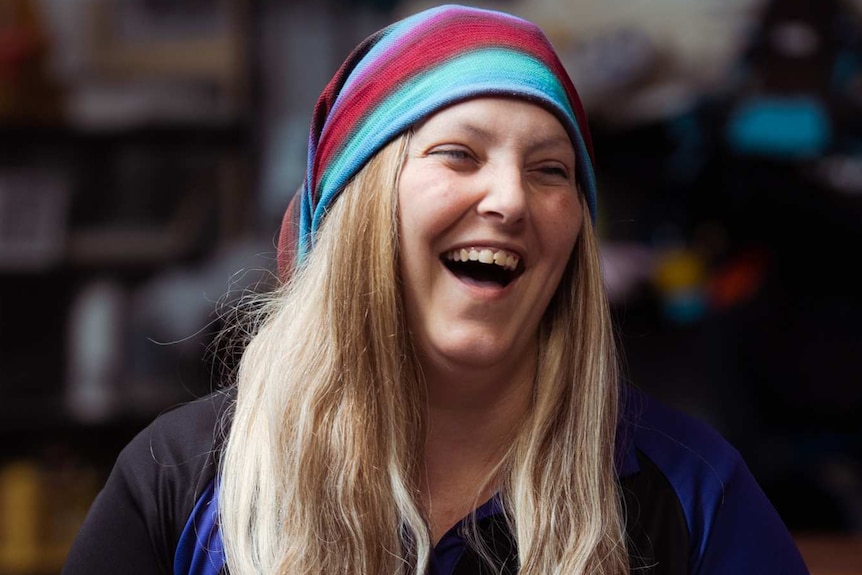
{"x":434,"y":387}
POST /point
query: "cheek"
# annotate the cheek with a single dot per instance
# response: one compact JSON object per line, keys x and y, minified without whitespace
{"x":562,"y":219}
{"x":412,"y":196}
{"x":429,"y":205}
{"x":416,"y":225}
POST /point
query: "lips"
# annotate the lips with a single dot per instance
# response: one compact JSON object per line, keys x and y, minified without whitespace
{"x":483,"y":265}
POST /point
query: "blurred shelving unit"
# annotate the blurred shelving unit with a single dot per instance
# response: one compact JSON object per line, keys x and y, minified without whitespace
{"x":126,"y":157}
{"x":137,"y":148}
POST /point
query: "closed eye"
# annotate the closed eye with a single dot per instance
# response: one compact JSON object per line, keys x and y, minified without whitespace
{"x":454,"y":153}
{"x":457,"y":158}
{"x":554,"y":171}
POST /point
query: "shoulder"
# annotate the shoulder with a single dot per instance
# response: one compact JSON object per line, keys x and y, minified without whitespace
{"x":183,"y":441}
{"x":704,"y":489}
{"x":136,"y":521}
{"x":694,"y":457}
{"x":172,"y":462}
{"x":188,"y":430}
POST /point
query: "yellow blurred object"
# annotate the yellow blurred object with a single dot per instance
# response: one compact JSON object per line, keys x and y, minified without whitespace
{"x":680,"y":275}
{"x":678,"y":270}
{"x":42,"y":506}
{"x":19,"y":517}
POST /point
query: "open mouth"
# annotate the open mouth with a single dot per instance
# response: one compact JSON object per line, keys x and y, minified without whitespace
{"x":483,"y":266}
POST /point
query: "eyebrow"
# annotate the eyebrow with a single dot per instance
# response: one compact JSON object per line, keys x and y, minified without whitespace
{"x":554,"y":141}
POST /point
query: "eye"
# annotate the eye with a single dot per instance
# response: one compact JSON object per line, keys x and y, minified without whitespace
{"x":457,"y":154}
{"x":455,"y":157}
{"x":554,"y":171}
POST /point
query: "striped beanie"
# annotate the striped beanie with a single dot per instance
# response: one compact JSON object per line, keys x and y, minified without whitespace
{"x":407,"y":72}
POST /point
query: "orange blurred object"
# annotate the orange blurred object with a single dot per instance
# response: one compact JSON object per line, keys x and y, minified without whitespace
{"x":831,"y":554}
{"x":738,"y":280}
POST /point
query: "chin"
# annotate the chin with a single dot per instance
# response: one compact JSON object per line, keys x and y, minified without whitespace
{"x":484,"y":350}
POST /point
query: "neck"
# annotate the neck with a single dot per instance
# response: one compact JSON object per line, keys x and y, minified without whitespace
{"x":472,"y":421}
{"x":473,"y":412}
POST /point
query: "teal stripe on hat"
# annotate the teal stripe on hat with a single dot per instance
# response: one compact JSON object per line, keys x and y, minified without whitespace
{"x":483,"y":72}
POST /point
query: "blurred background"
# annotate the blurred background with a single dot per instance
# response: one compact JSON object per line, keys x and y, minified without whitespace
{"x":149,"y":147}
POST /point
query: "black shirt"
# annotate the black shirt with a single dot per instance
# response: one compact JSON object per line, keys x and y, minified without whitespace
{"x":691,"y":504}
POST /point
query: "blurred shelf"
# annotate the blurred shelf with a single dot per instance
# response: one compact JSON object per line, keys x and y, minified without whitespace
{"x":48,"y":417}
{"x":44,"y":414}
{"x":211,"y":134}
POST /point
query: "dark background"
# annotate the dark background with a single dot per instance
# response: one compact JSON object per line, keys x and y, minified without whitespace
{"x":149,"y":147}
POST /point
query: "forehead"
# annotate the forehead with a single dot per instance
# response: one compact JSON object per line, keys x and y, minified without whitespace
{"x":494,"y":118}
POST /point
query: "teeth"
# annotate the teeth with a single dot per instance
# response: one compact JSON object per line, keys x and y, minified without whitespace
{"x":502,"y":258}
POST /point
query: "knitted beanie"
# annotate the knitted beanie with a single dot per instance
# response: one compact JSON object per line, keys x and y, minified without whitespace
{"x":408,"y":71}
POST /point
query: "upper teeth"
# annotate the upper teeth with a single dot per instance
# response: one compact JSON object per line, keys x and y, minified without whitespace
{"x":502,"y":258}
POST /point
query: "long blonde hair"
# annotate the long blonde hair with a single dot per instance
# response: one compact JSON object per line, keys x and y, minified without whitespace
{"x":320,"y":472}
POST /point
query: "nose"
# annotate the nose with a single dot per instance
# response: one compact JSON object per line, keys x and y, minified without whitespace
{"x":505,"y":196}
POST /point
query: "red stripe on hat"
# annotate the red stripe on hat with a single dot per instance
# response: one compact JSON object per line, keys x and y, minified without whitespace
{"x":422,"y":49}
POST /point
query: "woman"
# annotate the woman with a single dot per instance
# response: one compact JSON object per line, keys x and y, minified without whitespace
{"x":434,"y":388}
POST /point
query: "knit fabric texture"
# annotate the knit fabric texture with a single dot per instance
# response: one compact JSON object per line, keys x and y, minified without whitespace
{"x":407,"y":72}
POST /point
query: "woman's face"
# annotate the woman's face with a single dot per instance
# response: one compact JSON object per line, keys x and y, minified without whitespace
{"x":489,"y":215}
